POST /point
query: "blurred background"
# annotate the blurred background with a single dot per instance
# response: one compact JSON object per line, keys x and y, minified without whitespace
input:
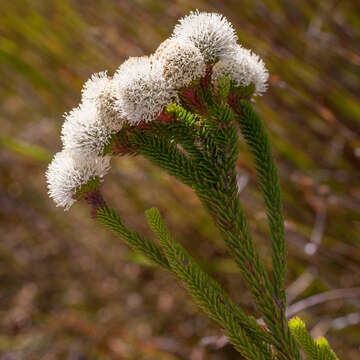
{"x":69,"y":289}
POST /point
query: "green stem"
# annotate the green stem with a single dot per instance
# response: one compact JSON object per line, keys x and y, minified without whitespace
{"x":314,"y":350}
{"x":243,"y":331}
{"x":208,"y":166}
{"x":256,"y":137}
{"x":144,"y":246}
{"x":163,"y":152}
{"x":222,"y":201}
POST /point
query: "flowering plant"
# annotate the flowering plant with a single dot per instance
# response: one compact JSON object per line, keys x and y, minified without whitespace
{"x":182,"y":108}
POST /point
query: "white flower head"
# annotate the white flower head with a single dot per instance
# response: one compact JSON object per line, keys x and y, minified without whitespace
{"x":181,"y":61}
{"x":100,"y":90}
{"x":84,"y":132}
{"x":142,"y":91}
{"x":243,"y":68}
{"x":211,"y":33}
{"x":68,"y":172}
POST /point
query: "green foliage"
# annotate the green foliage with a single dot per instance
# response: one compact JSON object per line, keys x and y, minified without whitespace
{"x":315,"y":350}
{"x":324,"y":348}
{"x":147,"y":248}
{"x":245,"y":333}
{"x":205,"y":161}
{"x":200,"y":146}
{"x":224,"y":205}
{"x":255,"y":136}
{"x":167,"y":155}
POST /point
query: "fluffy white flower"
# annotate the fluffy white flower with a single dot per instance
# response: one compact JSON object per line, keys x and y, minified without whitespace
{"x":211,"y":33}
{"x":100,"y":90}
{"x":242,"y":67}
{"x":182,"y":62}
{"x":84,"y":132}
{"x":68,"y":172}
{"x":142,"y":91}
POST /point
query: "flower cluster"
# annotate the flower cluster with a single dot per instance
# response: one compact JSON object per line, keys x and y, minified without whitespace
{"x":68,"y":172}
{"x":211,"y":33}
{"x":243,"y":68}
{"x":142,"y":91}
{"x":139,"y":91}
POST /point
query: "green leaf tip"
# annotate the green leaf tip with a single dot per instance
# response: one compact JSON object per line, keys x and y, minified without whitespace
{"x":325,"y":350}
{"x":154,"y":219}
{"x":296,"y":324}
{"x":142,"y":245}
{"x":322,"y":342}
{"x":152,"y":212}
{"x":172,"y":108}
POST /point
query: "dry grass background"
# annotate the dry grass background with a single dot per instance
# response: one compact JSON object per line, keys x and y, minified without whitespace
{"x":71,"y":290}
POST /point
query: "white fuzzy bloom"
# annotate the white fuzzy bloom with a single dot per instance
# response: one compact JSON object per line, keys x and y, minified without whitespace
{"x":182,"y":62}
{"x":68,"y":172}
{"x":142,"y":91}
{"x":242,"y":67}
{"x":211,"y":33}
{"x":100,"y":90}
{"x":84,"y":132}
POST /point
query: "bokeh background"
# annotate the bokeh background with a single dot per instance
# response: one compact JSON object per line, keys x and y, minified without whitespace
{"x":69,"y":289}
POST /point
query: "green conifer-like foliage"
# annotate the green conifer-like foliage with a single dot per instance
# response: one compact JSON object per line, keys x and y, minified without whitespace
{"x":197,"y":142}
{"x":314,"y":350}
